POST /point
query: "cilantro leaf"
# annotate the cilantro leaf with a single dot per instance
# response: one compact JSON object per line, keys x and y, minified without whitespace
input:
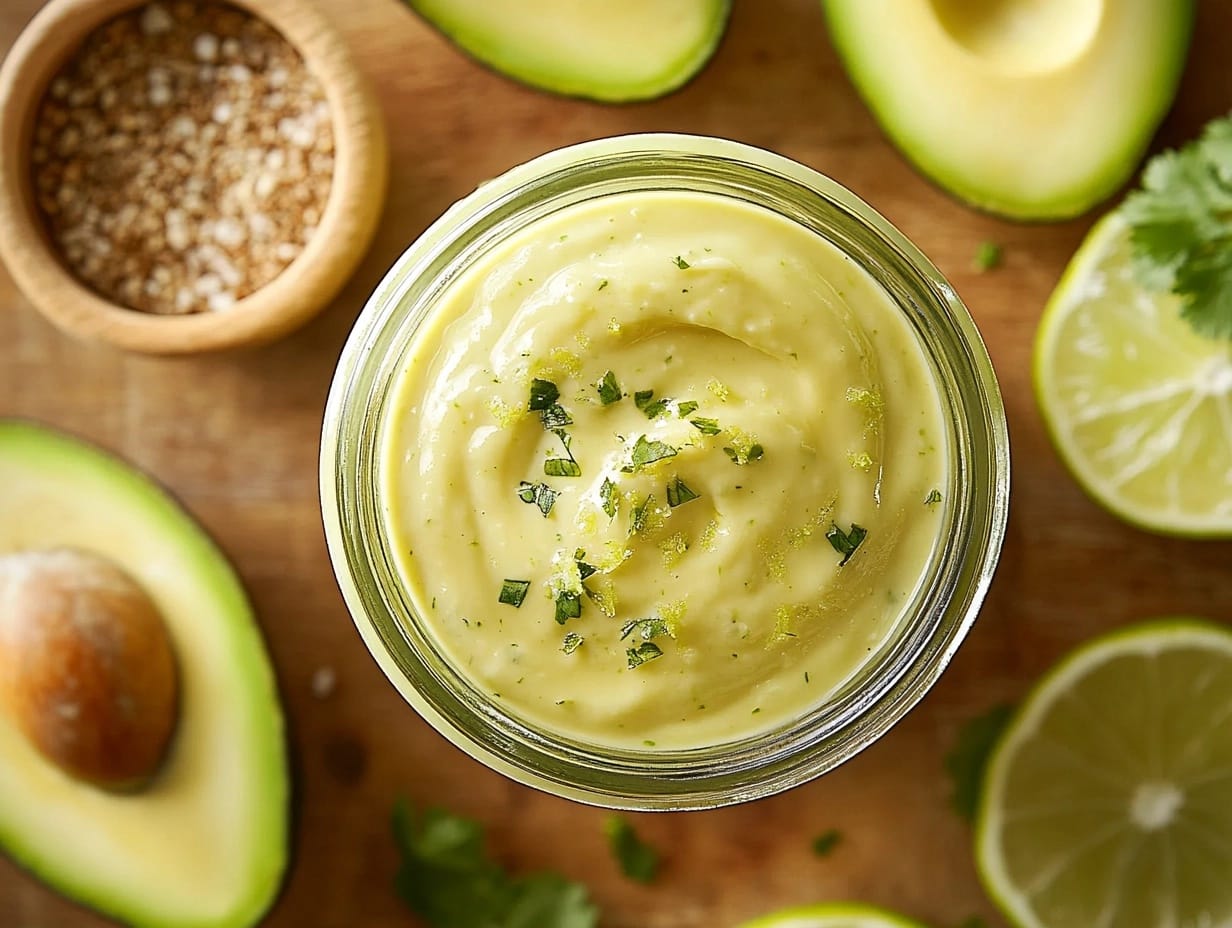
{"x":825,"y":843}
{"x":543,"y":394}
{"x":967,"y":760}
{"x":447,"y":879}
{"x":609,"y":497}
{"x":1181,"y":228}
{"x":645,"y":401}
{"x":679,"y":493}
{"x":572,"y":642}
{"x":540,"y":494}
{"x":681,"y":263}
{"x":685,"y":409}
{"x":645,"y":628}
{"x":646,"y":452}
{"x":706,"y":426}
{"x":568,"y":606}
{"x":644,"y":653}
{"x":845,"y":543}
{"x":609,"y":389}
{"x":562,"y":467}
{"x":987,"y":257}
{"x":513,"y":592}
{"x":640,"y":513}
{"x":638,"y":860}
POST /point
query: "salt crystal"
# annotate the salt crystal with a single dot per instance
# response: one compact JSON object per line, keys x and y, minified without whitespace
{"x":230,"y":48}
{"x":265,"y":186}
{"x":183,"y":127}
{"x":205,"y":47}
{"x":222,"y":112}
{"x":217,"y":302}
{"x":277,"y":77}
{"x":285,"y":251}
{"x":160,"y":95}
{"x":155,"y":20}
{"x":276,"y":160}
{"x":228,"y":233}
{"x":324,"y":682}
{"x":208,"y":284}
{"x":176,"y":223}
{"x":239,"y":74}
{"x":261,"y":226}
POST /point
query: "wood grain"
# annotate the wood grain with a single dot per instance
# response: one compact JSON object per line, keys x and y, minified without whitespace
{"x":235,"y":437}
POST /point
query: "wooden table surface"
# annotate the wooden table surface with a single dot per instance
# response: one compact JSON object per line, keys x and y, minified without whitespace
{"x":235,"y":438}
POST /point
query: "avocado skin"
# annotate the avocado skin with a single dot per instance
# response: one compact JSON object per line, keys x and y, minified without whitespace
{"x":1117,"y":168}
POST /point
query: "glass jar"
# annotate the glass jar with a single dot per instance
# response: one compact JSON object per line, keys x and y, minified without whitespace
{"x":891,"y":681}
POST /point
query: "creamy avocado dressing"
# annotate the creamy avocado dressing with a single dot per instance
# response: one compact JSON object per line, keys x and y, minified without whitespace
{"x":663,"y":469}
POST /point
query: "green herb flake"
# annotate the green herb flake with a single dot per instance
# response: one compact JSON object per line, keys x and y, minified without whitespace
{"x":845,"y":543}
{"x":932,"y":498}
{"x":603,"y":284}
{"x":646,"y":452}
{"x":968,"y":759}
{"x":987,"y":257}
{"x":568,"y":606}
{"x":562,"y":467}
{"x":446,"y":877}
{"x":678,"y":493}
{"x":646,"y":629}
{"x":640,"y":513}
{"x":543,"y":394}
{"x":1181,"y":228}
{"x":609,"y":497}
{"x":539,"y":494}
{"x":644,"y":653}
{"x":706,"y":426}
{"x":555,"y":417}
{"x":644,"y":400}
{"x":637,"y":859}
{"x":512,"y":592}
{"x":681,"y":263}
{"x":584,"y":570}
{"x":572,"y":642}
{"x":755,"y":453}
{"x":685,"y":409}
{"x":825,"y":843}
{"x":609,"y":389}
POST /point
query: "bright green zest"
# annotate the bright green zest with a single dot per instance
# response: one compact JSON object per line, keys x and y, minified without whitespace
{"x":1108,"y":802}
{"x":833,"y":915}
{"x":1139,"y":406}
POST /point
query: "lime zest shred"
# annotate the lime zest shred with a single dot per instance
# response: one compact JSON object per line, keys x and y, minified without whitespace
{"x":718,"y":389}
{"x":709,"y":538}
{"x":506,"y":416}
{"x":860,"y":460}
{"x":567,"y":361}
{"x":871,"y":404}
{"x":674,"y":547}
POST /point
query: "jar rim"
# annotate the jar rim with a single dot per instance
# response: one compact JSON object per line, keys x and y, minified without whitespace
{"x":737,"y":771}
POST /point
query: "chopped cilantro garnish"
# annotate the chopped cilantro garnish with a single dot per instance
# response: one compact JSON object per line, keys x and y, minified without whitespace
{"x":609,"y":389}
{"x":638,"y":860}
{"x":540,"y":494}
{"x":932,"y":498}
{"x":603,"y":283}
{"x":678,"y":493}
{"x":584,"y":570}
{"x":568,"y":606}
{"x":447,"y":879}
{"x":555,"y":417}
{"x":572,"y":642}
{"x":646,"y":452}
{"x":543,"y":394}
{"x":644,"y":653}
{"x":987,"y":256}
{"x":640,"y":512}
{"x":683,"y":410}
{"x":967,"y":760}
{"x":645,"y":401}
{"x":512,"y":592}
{"x":645,"y":628}
{"x":1181,"y":228}
{"x":609,"y":497}
{"x":845,"y":543}
{"x":562,"y":467}
{"x":739,"y":456}
{"x":681,"y":263}
{"x":826,"y":842}
{"x":706,"y":426}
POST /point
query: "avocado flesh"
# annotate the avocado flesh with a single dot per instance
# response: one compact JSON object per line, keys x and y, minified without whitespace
{"x":608,"y":50}
{"x":1032,"y":110}
{"x":204,"y":845}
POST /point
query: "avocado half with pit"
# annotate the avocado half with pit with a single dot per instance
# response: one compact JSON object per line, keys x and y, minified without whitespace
{"x":201,"y":840}
{"x":1033,"y":109}
{"x":609,"y":50}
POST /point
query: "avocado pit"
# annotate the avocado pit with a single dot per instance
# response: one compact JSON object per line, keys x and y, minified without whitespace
{"x":87,"y":670}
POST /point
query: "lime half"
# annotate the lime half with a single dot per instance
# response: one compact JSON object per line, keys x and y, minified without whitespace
{"x":1139,"y":406}
{"x":833,"y":915}
{"x":1108,"y":801}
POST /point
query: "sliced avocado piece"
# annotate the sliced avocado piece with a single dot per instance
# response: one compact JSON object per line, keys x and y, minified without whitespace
{"x":609,"y":50}
{"x":204,"y":844}
{"x":1033,"y":109}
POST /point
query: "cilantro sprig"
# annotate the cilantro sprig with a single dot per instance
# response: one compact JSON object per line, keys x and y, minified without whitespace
{"x":447,"y":878}
{"x":1181,"y":228}
{"x":637,"y":859}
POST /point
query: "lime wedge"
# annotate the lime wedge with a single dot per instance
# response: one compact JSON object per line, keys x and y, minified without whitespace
{"x":1108,"y":801}
{"x":1139,"y":406}
{"x":833,"y":915}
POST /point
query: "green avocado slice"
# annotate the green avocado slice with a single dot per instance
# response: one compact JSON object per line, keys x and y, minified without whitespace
{"x":609,"y":50}
{"x":204,"y":845}
{"x":1032,"y":110}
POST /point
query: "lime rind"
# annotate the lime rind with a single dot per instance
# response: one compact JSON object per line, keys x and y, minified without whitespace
{"x":1148,"y":433}
{"x":1147,"y":640}
{"x":834,"y":915}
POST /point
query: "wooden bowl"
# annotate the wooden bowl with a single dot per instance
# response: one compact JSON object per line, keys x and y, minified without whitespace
{"x":307,"y":284}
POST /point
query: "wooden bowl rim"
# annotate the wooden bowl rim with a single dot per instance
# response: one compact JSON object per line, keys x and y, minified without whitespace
{"x":304,"y":287}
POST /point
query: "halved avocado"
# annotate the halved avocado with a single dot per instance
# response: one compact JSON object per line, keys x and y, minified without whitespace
{"x":1033,"y":109}
{"x":204,"y":844}
{"x":610,"y":50}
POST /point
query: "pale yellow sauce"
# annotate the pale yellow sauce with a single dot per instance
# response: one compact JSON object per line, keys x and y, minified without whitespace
{"x":779,"y":338}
